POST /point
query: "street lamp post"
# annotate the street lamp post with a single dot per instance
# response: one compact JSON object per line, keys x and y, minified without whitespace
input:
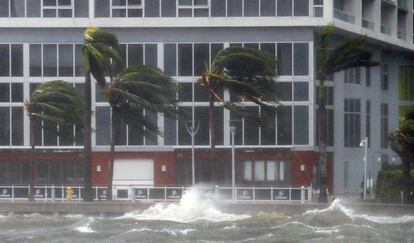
{"x":233,"y":179}
{"x":192,"y":130}
{"x":364,"y":143}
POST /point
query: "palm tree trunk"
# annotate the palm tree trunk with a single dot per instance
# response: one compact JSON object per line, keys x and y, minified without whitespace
{"x":212,"y":126}
{"x":87,"y":142}
{"x":406,"y":180}
{"x":323,"y":160}
{"x":111,"y":156}
{"x":32,"y":160}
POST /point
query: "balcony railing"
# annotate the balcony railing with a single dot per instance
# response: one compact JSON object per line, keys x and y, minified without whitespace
{"x":368,"y":24}
{"x":402,"y":35}
{"x":385,"y":29}
{"x":339,"y":14}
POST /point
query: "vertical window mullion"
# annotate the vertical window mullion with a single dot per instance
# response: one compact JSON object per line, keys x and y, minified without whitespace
{"x":41,"y":57}
{"x":57,"y":60}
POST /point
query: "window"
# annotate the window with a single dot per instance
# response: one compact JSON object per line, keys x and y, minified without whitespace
{"x":193,"y":8}
{"x":368,"y":76}
{"x":301,"y":125}
{"x":152,"y":8}
{"x":352,"y":76}
{"x":329,"y":93}
{"x":318,"y":8}
{"x":284,"y":58}
{"x":262,"y":171}
{"x":301,"y":59}
{"x":352,"y":122}
{"x":126,"y":8}
{"x":284,"y":125}
{"x":11,"y":60}
{"x":55,"y":60}
{"x":385,"y":77}
{"x":384,"y":126}
{"x":11,"y":114}
{"x":57,"y":8}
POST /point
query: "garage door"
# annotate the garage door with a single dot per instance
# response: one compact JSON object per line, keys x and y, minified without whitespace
{"x":133,"y":172}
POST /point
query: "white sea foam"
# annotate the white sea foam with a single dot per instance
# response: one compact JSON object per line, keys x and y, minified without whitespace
{"x":192,"y":207}
{"x":85,"y":228}
{"x":173,"y":232}
{"x":336,"y":205}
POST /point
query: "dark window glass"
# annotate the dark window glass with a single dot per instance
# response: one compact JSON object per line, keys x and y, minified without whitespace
{"x":185,"y":57}
{"x":284,"y":125}
{"x":17,"y":60}
{"x":120,"y":131}
{"x":102,"y":125}
{"x":268,"y":48}
{"x":69,"y":172}
{"x":301,"y":7}
{"x":236,"y":121}
{"x":4,"y":60}
{"x":122,"y":53}
{"x":55,"y":172}
{"x":42,"y":172}
{"x":268,"y":8}
{"x":152,"y":8}
{"x":252,"y":46}
{"x":49,"y":61}
{"x":301,"y":58}
{"x":170,"y":131}
{"x":284,"y":91}
{"x":79,"y":70}
{"x":201,"y":58}
{"x":17,"y":126}
{"x":17,"y":8}
{"x":118,"y":13}
{"x":284,"y":58}
{"x":35,"y":60}
{"x":151,"y":54}
{"x":15,"y":168}
{"x":215,"y":49}
{"x":187,"y":12}
{"x":201,"y":116}
{"x":135,"y":134}
{"x":284,"y":7}
{"x":251,"y":130}
{"x":218,"y":8}
{"x":185,"y":91}
{"x":185,"y":2}
{"x":135,"y":54}
{"x":81,"y":8}
{"x":219,"y":121}
{"x":368,"y":77}
{"x":301,"y":126}
{"x":99,"y":97}
{"x":168,"y":8}
{"x":65,"y":60}
{"x":268,"y":131}
{"x":118,"y":2}
{"x":49,"y":13}
{"x":4,"y":92}
{"x":234,"y":8}
{"x":4,"y":125}
{"x":17,"y":92}
{"x":33,"y":8}
{"x":65,"y":13}
{"x":151,"y":138}
{"x":301,"y":91}
{"x":65,"y":133}
{"x":134,"y":12}
{"x":251,"y":7}
{"x":184,"y":137}
{"x":170,"y":61}
{"x":202,"y":12}
{"x":4,"y":169}
{"x":101,"y":8}
{"x":4,"y":10}
{"x":200,"y":93}
{"x":49,"y":133}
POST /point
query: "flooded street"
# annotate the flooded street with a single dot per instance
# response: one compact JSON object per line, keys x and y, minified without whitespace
{"x":195,"y":219}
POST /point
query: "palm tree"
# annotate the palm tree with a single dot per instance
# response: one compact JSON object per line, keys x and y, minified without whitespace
{"x":245,"y":73}
{"x":100,"y":49}
{"x":402,"y":142}
{"x":53,"y":101}
{"x":348,"y":54}
{"x":135,"y":89}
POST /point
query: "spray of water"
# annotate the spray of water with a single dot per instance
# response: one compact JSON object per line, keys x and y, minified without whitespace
{"x":336,"y":206}
{"x":85,"y":227}
{"x":193,"y":206}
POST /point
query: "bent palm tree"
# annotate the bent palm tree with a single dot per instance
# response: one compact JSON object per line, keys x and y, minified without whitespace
{"x":402,"y":142}
{"x":100,"y":48}
{"x":57,"y":102}
{"x":134,"y":90}
{"x":245,"y":73}
{"x":348,"y":54}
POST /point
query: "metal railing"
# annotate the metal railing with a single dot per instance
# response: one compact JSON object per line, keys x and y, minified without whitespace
{"x":133,"y":193}
{"x":339,"y":14}
{"x":368,"y":24}
{"x":385,"y":29}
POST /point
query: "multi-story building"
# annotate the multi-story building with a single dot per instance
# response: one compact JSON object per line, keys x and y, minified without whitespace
{"x":41,"y":40}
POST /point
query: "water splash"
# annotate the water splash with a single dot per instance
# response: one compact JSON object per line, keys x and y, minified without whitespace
{"x":337,"y":206}
{"x":173,"y":232}
{"x":86,"y":228}
{"x":193,"y":206}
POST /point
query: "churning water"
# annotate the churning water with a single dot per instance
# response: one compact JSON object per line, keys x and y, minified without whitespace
{"x":195,"y":219}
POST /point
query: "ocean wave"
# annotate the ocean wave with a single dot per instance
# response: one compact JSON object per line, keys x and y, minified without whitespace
{"x":173,"y":232}
{"x":337,"y":206}
{"x":192,"y":207}
{"x":86,"y":228}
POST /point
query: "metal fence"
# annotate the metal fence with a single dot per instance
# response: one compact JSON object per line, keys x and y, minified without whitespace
{"x":150,"y":193}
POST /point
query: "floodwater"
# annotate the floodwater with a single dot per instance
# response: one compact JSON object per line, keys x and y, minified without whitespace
{"x":195,"y":219}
